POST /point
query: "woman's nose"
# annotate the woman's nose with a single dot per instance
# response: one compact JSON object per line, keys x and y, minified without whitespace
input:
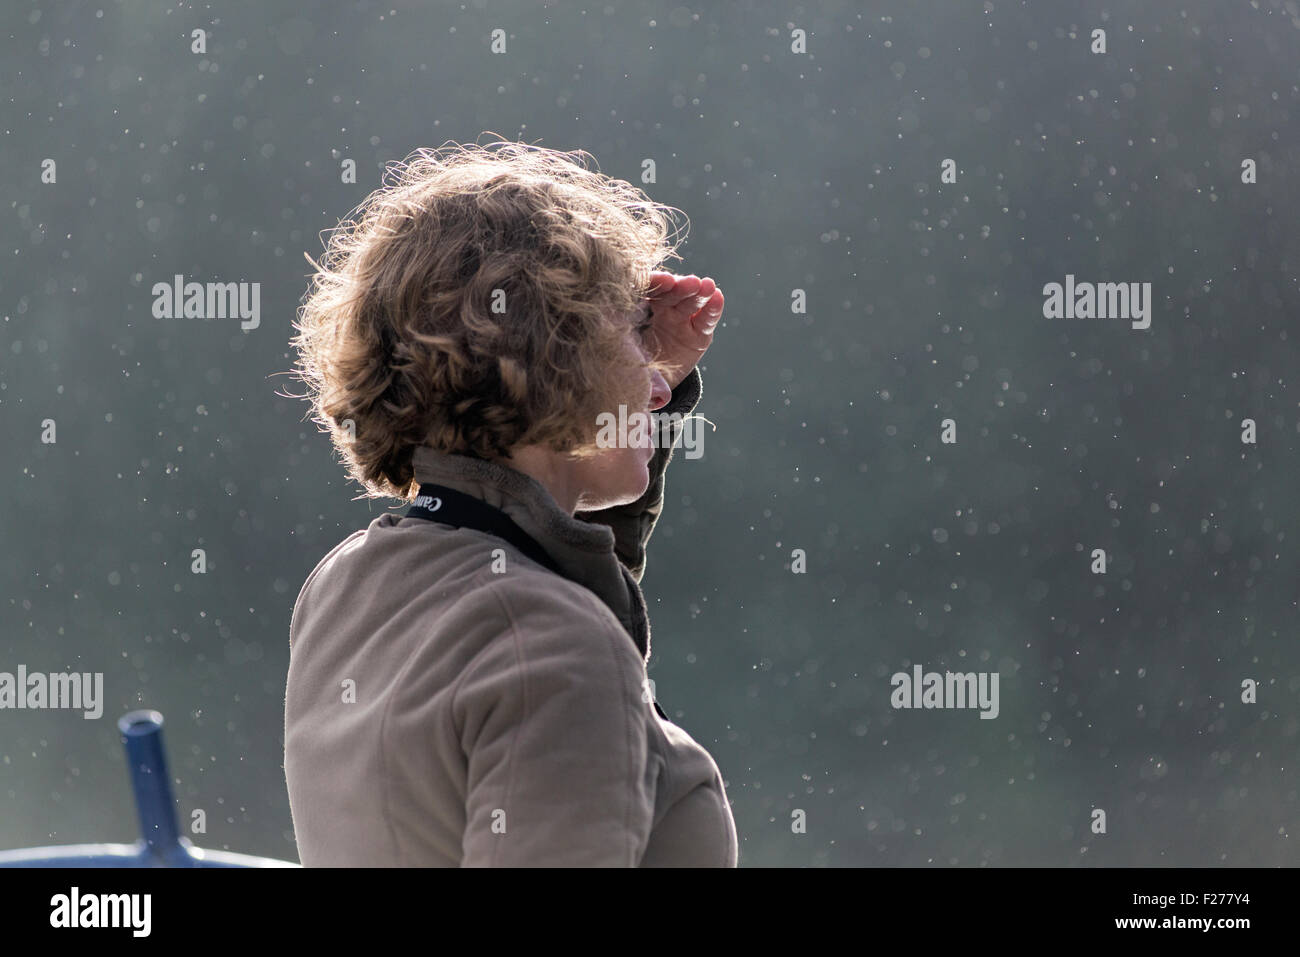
{"x":660,"y":392}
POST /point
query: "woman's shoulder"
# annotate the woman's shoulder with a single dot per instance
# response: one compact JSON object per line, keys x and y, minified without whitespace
{"x":315,"y":573}
{"x":453,"y":589}
{"x":498,"y":580}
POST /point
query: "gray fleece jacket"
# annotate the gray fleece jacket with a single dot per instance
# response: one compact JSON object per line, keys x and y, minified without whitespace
{"x":450,"y":701}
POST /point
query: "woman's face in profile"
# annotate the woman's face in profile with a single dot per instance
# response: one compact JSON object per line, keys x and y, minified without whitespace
{"x":620,"y":474}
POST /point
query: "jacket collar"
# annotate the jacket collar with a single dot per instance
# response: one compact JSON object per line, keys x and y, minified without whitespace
{"x":583,"y":550}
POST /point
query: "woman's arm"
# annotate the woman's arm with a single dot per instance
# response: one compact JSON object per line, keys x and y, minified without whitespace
{"x":634,"y":522}
{"x":684,"y":311}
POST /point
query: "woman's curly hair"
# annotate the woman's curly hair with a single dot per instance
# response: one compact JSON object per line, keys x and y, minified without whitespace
{"x":477,"y":302}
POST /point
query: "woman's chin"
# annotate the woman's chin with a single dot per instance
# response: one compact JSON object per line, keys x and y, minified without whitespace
{"x":639,"y":477}
{"x":642,"y":481}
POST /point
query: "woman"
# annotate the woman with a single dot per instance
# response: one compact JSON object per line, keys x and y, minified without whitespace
{"x":467,"y":682}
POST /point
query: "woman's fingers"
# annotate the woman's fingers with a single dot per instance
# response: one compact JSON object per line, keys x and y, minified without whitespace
{"x":687,"y":309}
{"x":682,"y":294}
{"x":704,"y":295}
{"x":710,"y":313}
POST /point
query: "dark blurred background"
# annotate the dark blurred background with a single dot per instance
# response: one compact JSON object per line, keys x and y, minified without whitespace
{"x":816,"y":171}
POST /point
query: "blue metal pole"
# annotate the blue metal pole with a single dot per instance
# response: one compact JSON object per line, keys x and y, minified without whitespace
{"x":147,"y":764}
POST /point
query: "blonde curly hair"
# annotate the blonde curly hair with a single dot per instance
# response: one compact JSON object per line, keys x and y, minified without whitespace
{"x":477,"y":302}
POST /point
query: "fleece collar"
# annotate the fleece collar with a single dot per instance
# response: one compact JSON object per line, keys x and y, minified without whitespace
{"x":583,"y":550}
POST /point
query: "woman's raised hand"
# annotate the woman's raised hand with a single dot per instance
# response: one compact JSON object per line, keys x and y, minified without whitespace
{"x":684,"y":311}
